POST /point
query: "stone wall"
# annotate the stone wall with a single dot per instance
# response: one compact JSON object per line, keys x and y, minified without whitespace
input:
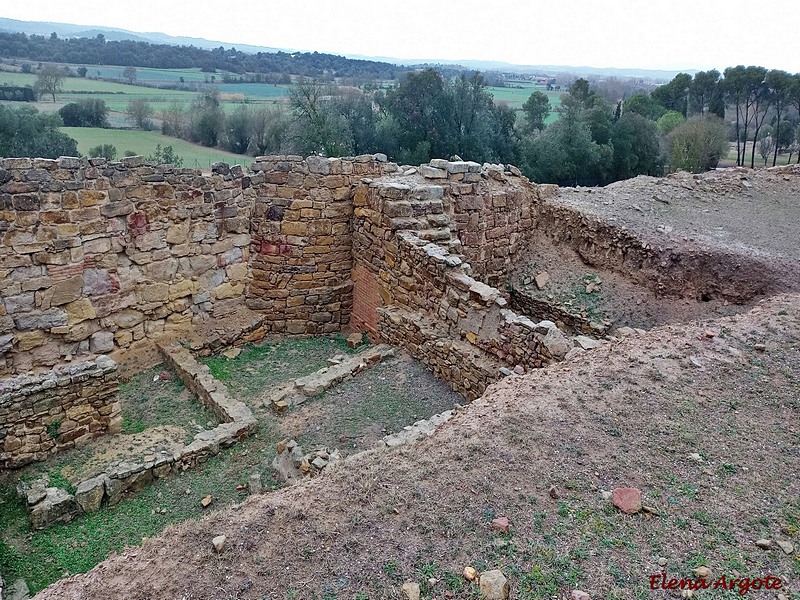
{"x":407,"y":255}
{"x":302,"y":247}
{"x":43,"y":413}
{"x":99,"y":257}
{"x":117,"y":257}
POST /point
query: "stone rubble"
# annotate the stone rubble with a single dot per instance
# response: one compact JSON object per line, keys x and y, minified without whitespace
{"x":293,"y":464}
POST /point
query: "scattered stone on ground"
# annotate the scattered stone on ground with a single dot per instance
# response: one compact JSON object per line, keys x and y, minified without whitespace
{"x":219,"y":543}
{"x":494,"y":585}
{"x":579,"y":595}
{"x":501,"y":524}
{"x":18,"y":591}
{"x":232,"y":353}
{"x":785,"y":545}
{"x":410,"y":590}
{"x":764,"y":543}
{"x":254,"y":483}
{"x":553,"y":492}
{"x":702,"y":572}
{"x":206,"y":501}
{"x":541,"y":279}
{"x":354,"y":340}
{"x":628,"y":500}
{"x":470,"y":573}
{"x":293,"y":465}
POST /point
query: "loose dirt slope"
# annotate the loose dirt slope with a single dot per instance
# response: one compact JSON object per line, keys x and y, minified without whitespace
{"x":628,"y":414}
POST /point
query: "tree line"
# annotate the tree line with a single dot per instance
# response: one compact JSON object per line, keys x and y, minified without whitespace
{"x":593,"y":141}
{"x":97,"y":50}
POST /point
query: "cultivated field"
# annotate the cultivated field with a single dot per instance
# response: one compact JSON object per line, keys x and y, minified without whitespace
{"x":515,"y":97}
{"x":144,"y":143}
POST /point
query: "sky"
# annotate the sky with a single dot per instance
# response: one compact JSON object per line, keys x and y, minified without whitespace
{"x":642,"y":34}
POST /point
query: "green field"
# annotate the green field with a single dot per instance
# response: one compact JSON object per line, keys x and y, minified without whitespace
{"x":144,"y":143}
{"x":516,"y":96}
{"x":118,"y":95}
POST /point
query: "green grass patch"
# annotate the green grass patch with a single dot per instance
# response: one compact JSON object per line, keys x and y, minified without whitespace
{"x":259,"y":367}
{"x":145,"y":142}
{"x":148,"y":401}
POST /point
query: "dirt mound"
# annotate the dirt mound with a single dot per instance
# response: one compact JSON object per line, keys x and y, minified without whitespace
{"x":703,"y":418}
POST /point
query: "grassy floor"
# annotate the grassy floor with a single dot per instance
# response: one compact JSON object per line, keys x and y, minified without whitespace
{"x":148,"y":401}
{"x":44,"y":556}
{"x":144,"y":143}
{"x":258,"y":368}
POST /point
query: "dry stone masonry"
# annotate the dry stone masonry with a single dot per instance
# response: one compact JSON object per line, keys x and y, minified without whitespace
{"x":55,"y":410}
{"x":107,"y":261}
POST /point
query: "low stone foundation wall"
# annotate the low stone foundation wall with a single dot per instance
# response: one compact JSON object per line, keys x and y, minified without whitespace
{"x":43,"y":413}
{"x":50,"y":505}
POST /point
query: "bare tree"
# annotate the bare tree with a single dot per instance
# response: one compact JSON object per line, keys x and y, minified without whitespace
{"x":765,"y":146}
{"x":139,"y":113}
{"x":129,"y":73}
{"x":49,"y":80}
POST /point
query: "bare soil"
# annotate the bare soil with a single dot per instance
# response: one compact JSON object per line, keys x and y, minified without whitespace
{"x":628,"y":414}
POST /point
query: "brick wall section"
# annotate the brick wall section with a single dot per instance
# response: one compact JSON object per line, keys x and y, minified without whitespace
{"x":302,"y":245}
{"x":43,"y":413}
{"x":366,"y":300}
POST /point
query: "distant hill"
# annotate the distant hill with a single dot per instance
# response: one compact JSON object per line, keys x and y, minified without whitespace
{"x":76,"y":47}
{"x":114,"y":34}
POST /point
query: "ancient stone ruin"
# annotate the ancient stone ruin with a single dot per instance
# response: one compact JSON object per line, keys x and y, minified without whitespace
{"x":107,"y":266}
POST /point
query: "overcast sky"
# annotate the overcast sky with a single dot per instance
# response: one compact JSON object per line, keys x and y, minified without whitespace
{"x":652,"y":34}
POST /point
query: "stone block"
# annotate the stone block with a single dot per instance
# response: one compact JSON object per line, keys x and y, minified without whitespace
{"x":79,"y":311}
{"x":90,"y":493}
{"x":101,"y":341}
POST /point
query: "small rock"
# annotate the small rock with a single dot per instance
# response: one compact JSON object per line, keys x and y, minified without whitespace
{"x":410,"y":590}
{"x":206,"y":502}
{"x":506,"y":372}
{"x":586,"y":343}
{"x":709,"y":333}
{"x":232,"y":353}
{"x":696,"y":457}
{"x":628,"y":500}
{"x":219,"y":543}
{"x":541,"y":279}
{"x":579,"y":595}
{"x":764,"y":543}
{"x":470,"y":573}
{"x":553,"y":492}
{"x":18,"y":591}
{"x":786,"y":546}
{"x":702,"y":572}
{"x":662,"y":562}
{"x":432,"y":581}
{"x":687,"y":594}
{"x":319,"y":463}
{"x":519,"y":370}
{"x":760,"y":347}
{"x":606,"y":495}
{"x":649,"y":510}
{"x":166,"y":376}
{"x":254,"y":483}
{"x":494,"y":585}
{"x":501,"y":524}
{"x":354,"y":340}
